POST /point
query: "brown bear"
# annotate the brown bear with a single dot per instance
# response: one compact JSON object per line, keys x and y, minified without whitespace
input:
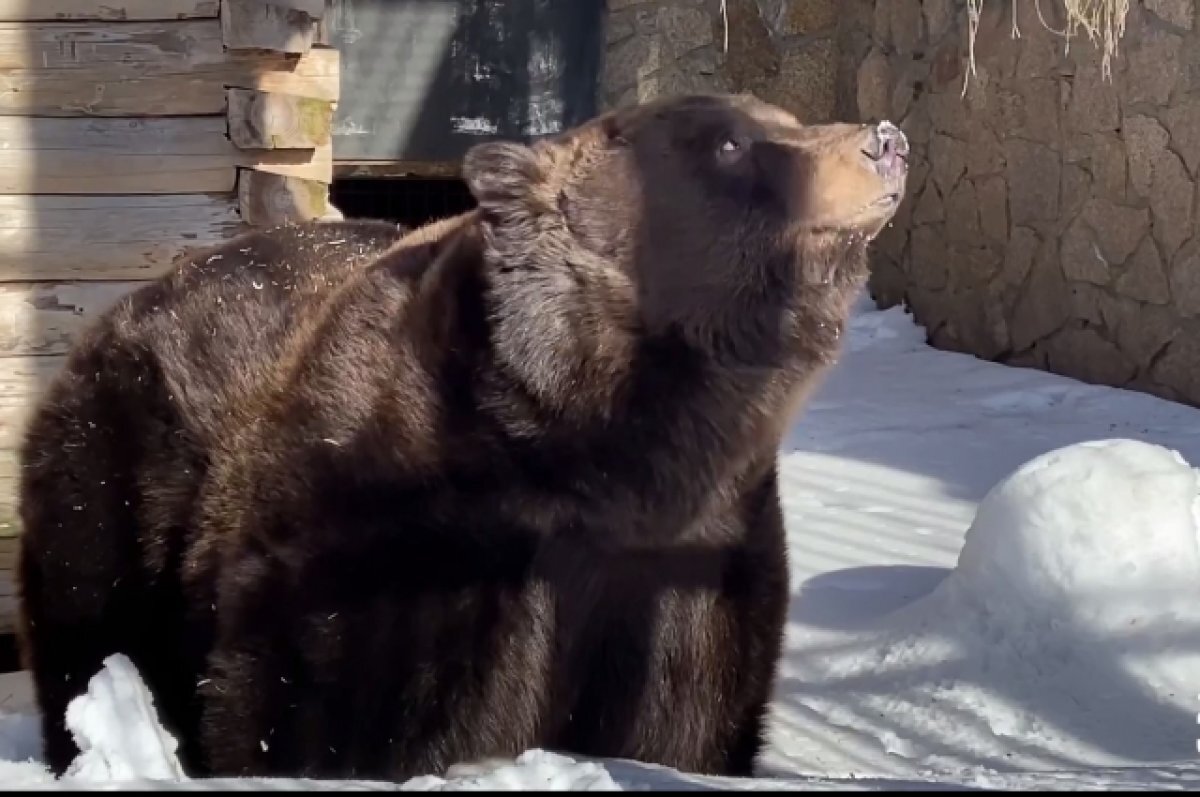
{"x":508,"y":482}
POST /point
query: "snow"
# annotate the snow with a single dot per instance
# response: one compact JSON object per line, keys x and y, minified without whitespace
{"x":995,"y":575}
{"x":116,"y":728}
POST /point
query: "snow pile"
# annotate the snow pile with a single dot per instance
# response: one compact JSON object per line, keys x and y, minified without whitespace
{"x":1067,"y":636}
{"x":535,"y":770}
{"x":116,"y":727}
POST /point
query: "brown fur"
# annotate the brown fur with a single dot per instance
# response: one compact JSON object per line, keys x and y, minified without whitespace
{"x":511,"y":484}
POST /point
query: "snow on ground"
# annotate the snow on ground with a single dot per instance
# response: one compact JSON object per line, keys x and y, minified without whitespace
{"x":995,"y":585}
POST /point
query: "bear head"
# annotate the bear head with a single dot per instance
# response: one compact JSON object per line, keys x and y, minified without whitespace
{"x":695,"y":213}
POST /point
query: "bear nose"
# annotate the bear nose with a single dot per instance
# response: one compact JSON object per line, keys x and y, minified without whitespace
{"x":887,"y":148}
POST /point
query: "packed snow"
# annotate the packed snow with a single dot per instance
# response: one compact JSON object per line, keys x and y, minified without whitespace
{"x":996,"y":584}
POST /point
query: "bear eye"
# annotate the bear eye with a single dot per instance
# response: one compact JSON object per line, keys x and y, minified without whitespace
{"x":731,"y":148}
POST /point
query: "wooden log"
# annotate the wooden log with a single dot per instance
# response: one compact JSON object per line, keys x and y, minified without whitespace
{"x":305,"y":164}
{"x":175,"y":68}
{"x":140,"y":156}
{"x":45,"y":318}
{"x":268,"y":199}
{"x":267,"y":25}
{"x":108,"y":237}
{"x":118,"y":10}
{"x":266,"y":120}
{"x":314,"y":8}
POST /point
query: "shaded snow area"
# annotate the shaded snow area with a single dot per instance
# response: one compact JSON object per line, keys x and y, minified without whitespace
{"x":996,"y":584}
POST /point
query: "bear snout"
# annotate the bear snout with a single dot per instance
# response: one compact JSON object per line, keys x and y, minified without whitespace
{"x":886,"y":149}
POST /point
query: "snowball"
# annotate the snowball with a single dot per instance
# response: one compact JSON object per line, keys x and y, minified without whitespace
{"x":1101,"y":535}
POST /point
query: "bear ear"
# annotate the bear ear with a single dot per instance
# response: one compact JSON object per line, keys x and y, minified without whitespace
{"x":501,"y":172}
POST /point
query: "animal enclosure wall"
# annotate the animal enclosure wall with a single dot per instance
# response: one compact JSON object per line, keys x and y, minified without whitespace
{"x":134,"y":131}
{"x":1052,"y":217}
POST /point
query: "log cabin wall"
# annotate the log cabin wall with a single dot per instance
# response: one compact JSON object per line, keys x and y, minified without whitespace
{"x":132,"y":132}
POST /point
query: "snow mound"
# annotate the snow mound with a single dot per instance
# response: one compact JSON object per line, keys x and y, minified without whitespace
{"x":1068,"y":635}
{"x":1101,"y":537}
{"x":117,"y":730}
{"x":535,"y":770}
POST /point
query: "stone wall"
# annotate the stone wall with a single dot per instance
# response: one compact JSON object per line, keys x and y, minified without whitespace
{"x":1052,"y":220}
{"x":783,"y":51}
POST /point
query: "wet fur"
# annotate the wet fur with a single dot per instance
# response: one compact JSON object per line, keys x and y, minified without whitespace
{"x":511,"y":483}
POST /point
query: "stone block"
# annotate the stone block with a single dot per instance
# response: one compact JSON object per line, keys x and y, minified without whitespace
{"x":1081,"y":257}
{"x":1180,"y":13}
{"x":929,"y":208}
{"x":930,"y":258}
{"x":985,"y":156}
{"x":1144,"y":277}
{"x":1033,"y":172}
{"x":807,"y":82}
{"x":874,"y":76}
{"x":1140,"y":330}
{"x":684,"y":29}
{"x":1036,"y":111}
{"x":1022,"y":247}
{"x":1093,"y":105}
{"x":947,"y":162}
{"x":1145,"y":140}
{"x":1154,"y":68}
{"x":1185,"y":279}
{"x":905,"y":25}
{"x":1077,"y":187}
{"x":1118,"y":229}
{"x":1108,"y":161}
{"x":939,"y":17}
{"x":1172,"y":195}
{"x":962,"y":214}
{"x":804,"y":17}
{"x":1179,"y":366}
{"x":1082,"y":353}
{"x":992,"y":195}
{"x":1183,"y":123}
{"x":1042,"y":304}
{"x":631,"y":60}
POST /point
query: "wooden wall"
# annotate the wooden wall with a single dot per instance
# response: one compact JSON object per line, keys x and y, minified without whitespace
{"x":131,"y":132}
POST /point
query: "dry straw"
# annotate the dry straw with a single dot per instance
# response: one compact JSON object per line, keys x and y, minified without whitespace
{"x":1102,"y":20}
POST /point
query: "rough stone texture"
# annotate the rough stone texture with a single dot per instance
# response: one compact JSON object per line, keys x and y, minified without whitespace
{"x":784,"y":51}
{"x":1180,"y":13}
{"x":1055,"y":222}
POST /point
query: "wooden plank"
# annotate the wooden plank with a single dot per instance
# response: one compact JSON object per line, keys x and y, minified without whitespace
{"x":173,"y":68}
{"x":136,"y":156}
{"x":267,"y":25}
{"x":44,"y":318}
{"x":10,"y":524}
{"x":122,"y":10}
{"x":304,"y":164}
{"x":8,"y":552}
{"x":23,"y":380}
{"x":264,"y":120}
{"x":108,"y":237}
{"x":397,"y":168}
{"x":269,"y":199}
